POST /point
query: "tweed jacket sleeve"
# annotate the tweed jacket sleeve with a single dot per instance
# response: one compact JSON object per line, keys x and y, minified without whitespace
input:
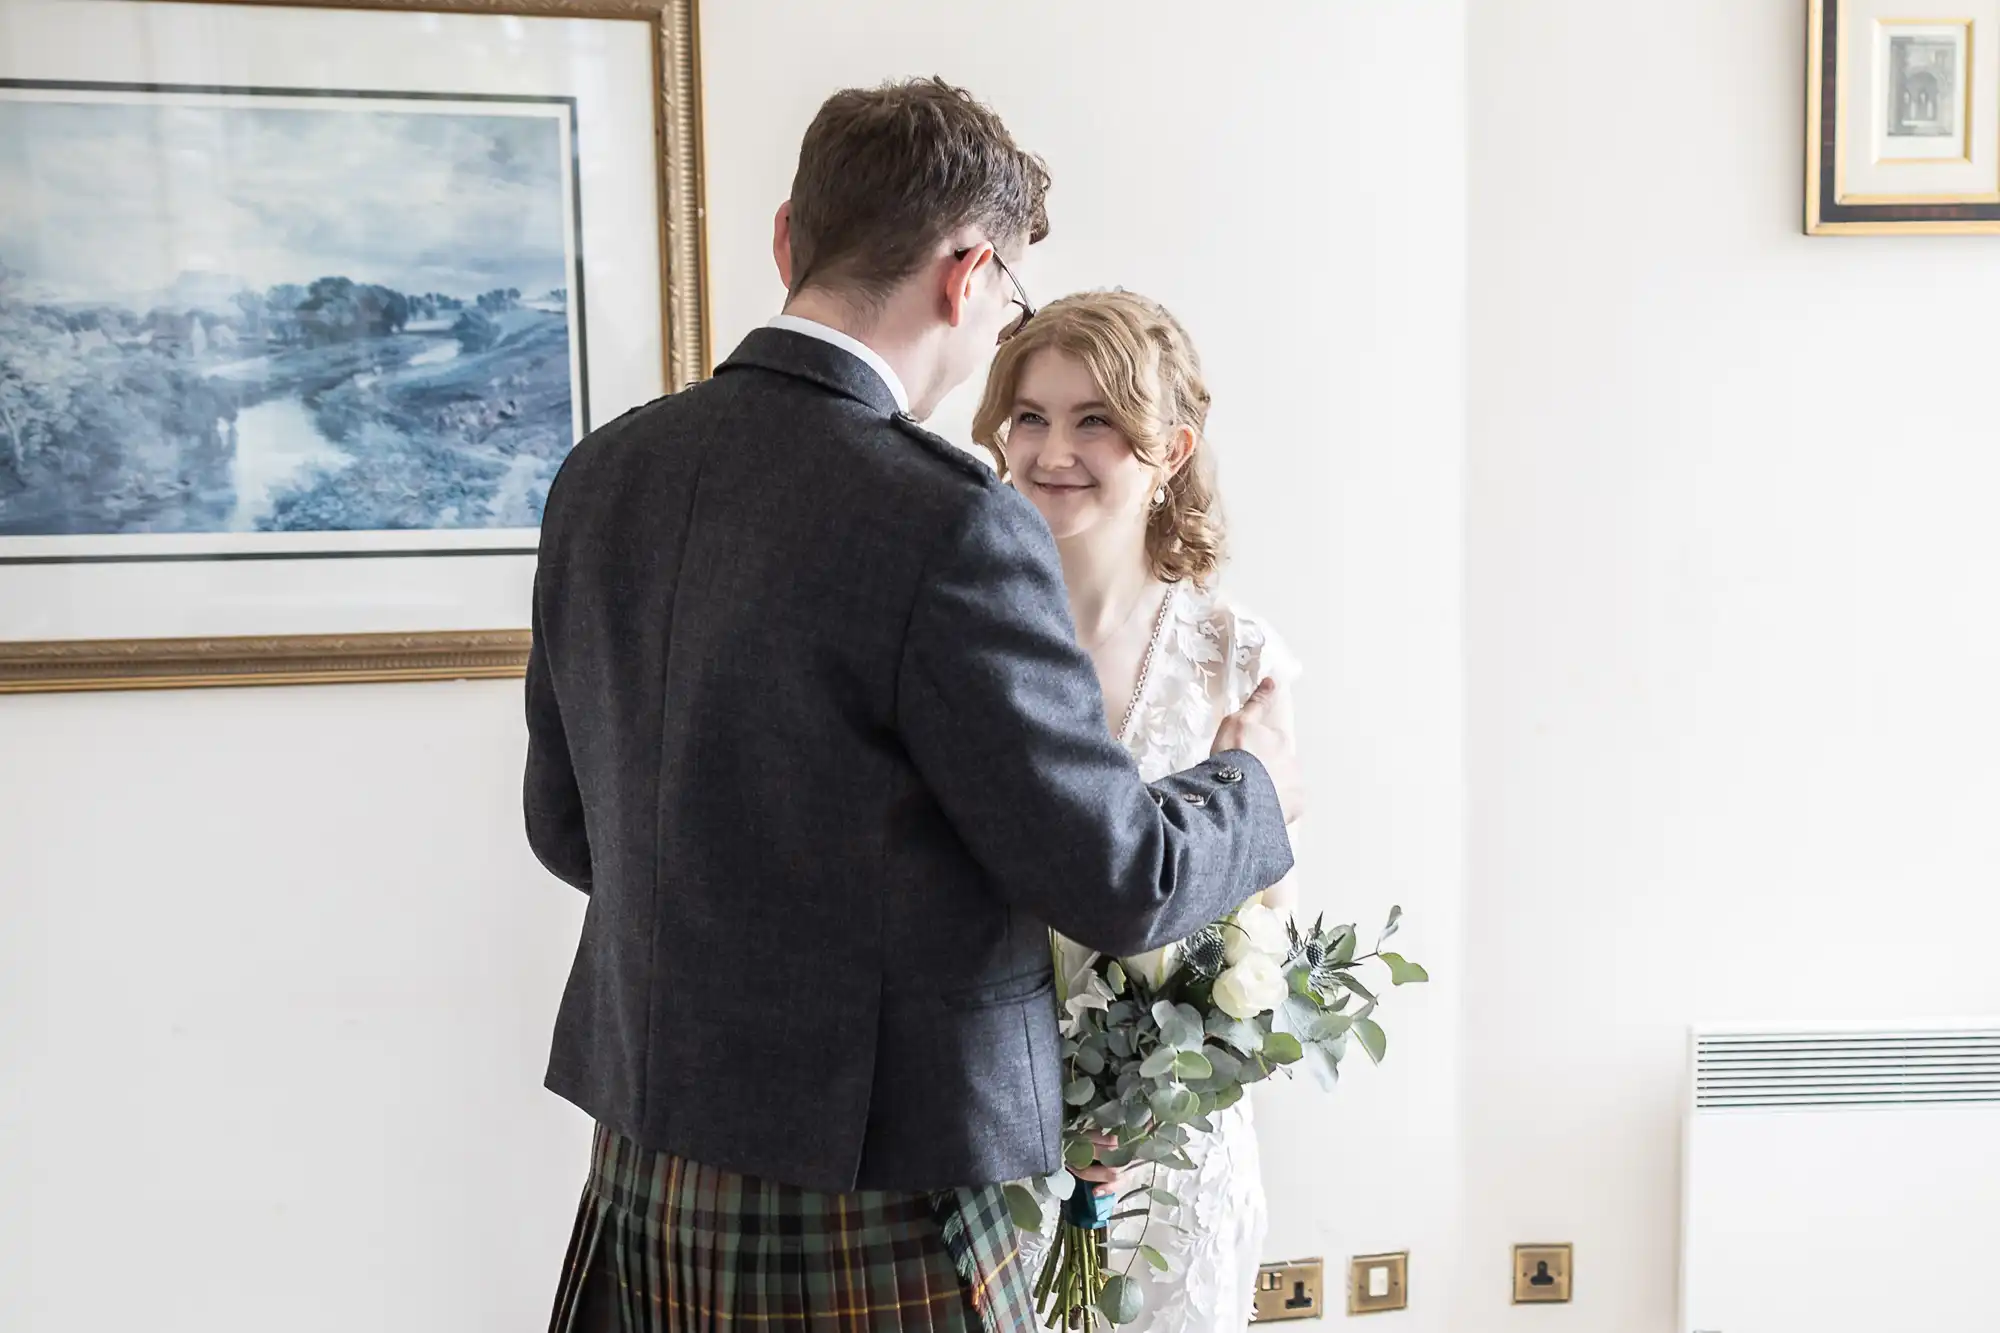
{"x":1004,"y":719}
{"x":550,"y":798}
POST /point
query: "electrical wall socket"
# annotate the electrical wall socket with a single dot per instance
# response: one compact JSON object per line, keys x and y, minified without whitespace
{"x":1543,"y":1273}
{"x":1293,"y":1290}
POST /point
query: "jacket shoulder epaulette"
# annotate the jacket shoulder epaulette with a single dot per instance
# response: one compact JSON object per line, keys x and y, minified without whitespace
{"x":945,"y":449}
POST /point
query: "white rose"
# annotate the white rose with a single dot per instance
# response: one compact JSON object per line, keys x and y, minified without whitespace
{"x":1255,"y":929}
{"x":1252,"y":987}
{"x":1155,"y":967}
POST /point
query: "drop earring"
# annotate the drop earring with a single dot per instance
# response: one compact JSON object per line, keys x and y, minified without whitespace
{"x":1159,"y":497}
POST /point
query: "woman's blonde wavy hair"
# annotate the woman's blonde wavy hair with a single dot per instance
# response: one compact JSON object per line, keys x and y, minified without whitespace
{"x":1146,"y":368}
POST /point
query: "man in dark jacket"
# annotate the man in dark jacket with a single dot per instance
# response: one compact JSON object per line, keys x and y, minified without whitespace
{"x":809,"y":724}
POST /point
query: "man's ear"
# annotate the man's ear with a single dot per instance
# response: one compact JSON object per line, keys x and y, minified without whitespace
{"x":959,"y":276}
{"x":781,"y":243}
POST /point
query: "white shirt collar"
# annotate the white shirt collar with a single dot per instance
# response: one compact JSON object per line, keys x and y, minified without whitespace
{"x":853,"y":346}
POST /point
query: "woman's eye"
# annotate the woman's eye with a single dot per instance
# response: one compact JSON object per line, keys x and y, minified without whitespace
{"x":1093,"y":420}
{"x":1029,"y":419}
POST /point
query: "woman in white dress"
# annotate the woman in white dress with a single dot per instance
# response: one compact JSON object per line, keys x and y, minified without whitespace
{"x":1095,"y":411}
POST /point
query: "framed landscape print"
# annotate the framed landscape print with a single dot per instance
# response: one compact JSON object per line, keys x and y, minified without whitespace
{"x":302,"y":308}
{"x":1903,"y":117}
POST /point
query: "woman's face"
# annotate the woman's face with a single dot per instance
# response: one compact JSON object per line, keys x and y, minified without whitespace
{"x":1066,"y":456}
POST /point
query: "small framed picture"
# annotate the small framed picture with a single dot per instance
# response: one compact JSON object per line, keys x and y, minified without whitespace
{"x":1903,"y":118}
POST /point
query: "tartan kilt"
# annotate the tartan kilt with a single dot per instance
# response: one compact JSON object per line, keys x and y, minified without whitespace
{"x":698,"y":1250}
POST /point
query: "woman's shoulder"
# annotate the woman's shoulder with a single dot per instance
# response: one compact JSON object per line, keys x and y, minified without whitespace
{"x":1236,"y":637}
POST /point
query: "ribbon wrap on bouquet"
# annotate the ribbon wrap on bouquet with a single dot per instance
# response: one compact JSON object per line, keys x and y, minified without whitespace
{"x":1088,"y":1209}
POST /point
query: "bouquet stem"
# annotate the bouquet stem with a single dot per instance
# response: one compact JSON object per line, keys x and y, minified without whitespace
{"x":1073,"y":1276}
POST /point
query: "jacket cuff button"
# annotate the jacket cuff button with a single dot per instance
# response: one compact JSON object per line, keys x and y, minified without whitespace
{"x":1229,"y":775}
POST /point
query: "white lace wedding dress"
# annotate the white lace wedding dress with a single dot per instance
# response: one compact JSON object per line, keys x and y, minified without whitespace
{"x":1211,"y":655}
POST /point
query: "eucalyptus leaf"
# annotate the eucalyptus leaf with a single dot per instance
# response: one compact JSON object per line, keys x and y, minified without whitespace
{"x":1282,"y":1048}
{"x":1159,"y":1062}
{"x":1373,"y":1040}
{"x":1080,"y":1092}
{"x":1294,"y":1015}
{"x":1180,"y":1025}
{"x":1060,"y":1185}
{"x":1343,"y":952}
{"x":1323,"y":1065}
{"x":1167,"y":1197}
{"x":1348,"y":981}
{"x":1299,"y":980}
{"x":1223,"y":1064}
{"x":1166,"y":1154}
{"x":1245,"y":1036}
{"x":1079,"y":1153}
{"x":1395,"y":920}
{"x":1154,"y":1257}
{"x":1121,"y":1301}
{"x":1173,"y":1104}
{"x":1403,"y":972}
{"x":1329,"y":1025}
{"x":1115,"y":976}
{"x":1228,"y":1097}
{"x":1202,"y":1123}
{"x":1025,"y":1209}
{"x":1191,"y":1065}
{"x":1090,"y":1060}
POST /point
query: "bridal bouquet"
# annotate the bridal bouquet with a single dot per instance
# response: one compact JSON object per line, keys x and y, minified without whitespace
{"x":1154,"y":1045}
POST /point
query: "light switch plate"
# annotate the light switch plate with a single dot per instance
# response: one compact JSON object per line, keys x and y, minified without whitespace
{"x":1294,"y":1290}
{"x":1378,"y":1282}
{"x":1543,"y":1274}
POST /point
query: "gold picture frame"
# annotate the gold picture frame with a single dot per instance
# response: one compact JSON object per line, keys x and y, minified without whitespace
{"x":1840,"y":73}
{"x":28,"y":666}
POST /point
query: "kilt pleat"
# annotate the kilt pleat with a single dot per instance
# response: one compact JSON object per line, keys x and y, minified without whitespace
{"x":698,"y":1250}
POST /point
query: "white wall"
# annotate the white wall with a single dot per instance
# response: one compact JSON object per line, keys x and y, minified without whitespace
{"x":276,"y":972}
{"x":1731,"y":565}
{"x":276,"y":975}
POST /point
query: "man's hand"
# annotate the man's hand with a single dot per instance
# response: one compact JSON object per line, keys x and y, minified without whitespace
{"x":1263,"y":727}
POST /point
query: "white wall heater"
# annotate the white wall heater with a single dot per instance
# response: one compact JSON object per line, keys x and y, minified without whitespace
{"x":1842,"y":1179}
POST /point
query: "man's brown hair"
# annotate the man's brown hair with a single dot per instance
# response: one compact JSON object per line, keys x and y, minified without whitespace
{"x":884,"y":173}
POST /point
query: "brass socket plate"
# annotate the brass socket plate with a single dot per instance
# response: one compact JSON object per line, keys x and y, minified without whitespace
{"x":1543,"y":1274}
